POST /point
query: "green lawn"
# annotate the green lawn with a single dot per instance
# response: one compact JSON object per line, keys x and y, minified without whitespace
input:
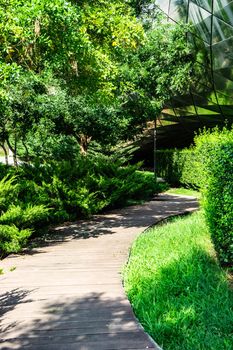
{"x":185,"y":192}
{"x":177,"y":289}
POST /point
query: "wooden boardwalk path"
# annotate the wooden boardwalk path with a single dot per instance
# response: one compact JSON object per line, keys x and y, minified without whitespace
{"x":68,"y":293}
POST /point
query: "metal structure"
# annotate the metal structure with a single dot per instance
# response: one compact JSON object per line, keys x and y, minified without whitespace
{"x":211,"y":103}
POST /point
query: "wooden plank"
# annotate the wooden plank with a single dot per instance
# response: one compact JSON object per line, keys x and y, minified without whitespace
{"x":68,"y":328}
{"x":96,"y":341}
{"x":68,"y":295}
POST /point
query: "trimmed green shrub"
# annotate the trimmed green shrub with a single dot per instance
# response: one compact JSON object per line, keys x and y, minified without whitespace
{"x":216,"y":151}
{"x":208,"y":166}
{"x":180,"y":167}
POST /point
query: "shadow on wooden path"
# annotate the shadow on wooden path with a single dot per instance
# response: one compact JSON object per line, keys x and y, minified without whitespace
{"x":67,"y":294}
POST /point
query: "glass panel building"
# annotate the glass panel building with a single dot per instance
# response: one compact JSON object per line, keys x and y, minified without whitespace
{"x":210,"y":103}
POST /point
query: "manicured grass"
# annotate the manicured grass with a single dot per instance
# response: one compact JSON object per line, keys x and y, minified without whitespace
{"x":185,"y":191}
{"x":178,"y":290}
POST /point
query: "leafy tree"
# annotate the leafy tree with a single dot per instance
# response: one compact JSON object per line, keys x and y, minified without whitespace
{"x":18,"y":93}
{"x":139,"y":5}
{"x":82,"y":44}
{"x":77,"y":40}
{"x":83,"y":70}
{"x":164,"y":66}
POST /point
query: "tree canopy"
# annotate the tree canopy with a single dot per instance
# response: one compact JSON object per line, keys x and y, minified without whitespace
{"x":83,"y":70}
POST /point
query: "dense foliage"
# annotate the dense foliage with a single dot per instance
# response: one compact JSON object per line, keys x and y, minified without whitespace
{"x":216,"y":154}
{"x":75,"y":48}
{"x":76,"y":71}
{"x":72,"y":73}
{"x":180,"y":167}
{"x":35,"y":195}
{"x":208,"y":166}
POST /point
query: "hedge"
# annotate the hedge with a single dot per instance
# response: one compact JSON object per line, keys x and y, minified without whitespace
{"x":208,"y":165}
{"x":216,"y":152}
{"x":179,"y":167}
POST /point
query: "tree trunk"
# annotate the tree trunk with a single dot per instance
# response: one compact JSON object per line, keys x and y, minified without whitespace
{"x":14,"y":151}
{"x":5,"y":153}
{"x":84,"y":141}
{"x":26,"y":149}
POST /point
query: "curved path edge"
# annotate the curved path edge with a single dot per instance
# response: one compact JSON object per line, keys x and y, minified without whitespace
{"x":68,"y":293}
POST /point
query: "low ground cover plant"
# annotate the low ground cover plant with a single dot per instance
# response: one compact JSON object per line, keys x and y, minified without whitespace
{"x":35,"y":195}
{"x":178,"y":290}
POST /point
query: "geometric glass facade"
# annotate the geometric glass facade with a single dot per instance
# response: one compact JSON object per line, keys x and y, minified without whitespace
{"x":211,"y":102}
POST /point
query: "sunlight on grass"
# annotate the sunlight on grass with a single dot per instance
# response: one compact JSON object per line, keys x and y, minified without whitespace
{"x":185,"y":192}
{"x":177,"y":289}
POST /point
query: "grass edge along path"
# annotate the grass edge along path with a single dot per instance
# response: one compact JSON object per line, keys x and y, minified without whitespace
{"x":177,"y":289}
{"x":185,"y":192}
